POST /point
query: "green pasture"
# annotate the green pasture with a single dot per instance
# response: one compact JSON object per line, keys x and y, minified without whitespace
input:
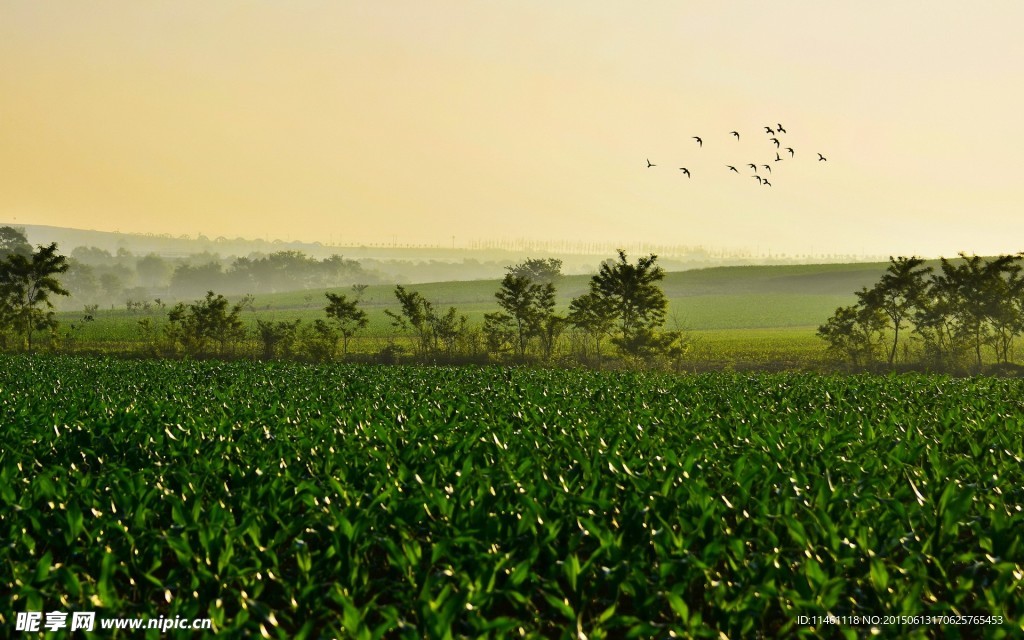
{"x":758,"y":313}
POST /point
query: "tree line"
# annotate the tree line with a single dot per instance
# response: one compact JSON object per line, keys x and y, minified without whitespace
{"x":97,"y":276}
{"x":954,"y":319}
{"x":624,"y":309}
{"x":960,"y":316}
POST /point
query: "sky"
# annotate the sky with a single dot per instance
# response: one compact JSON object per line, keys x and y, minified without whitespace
{"x":444,"y":122}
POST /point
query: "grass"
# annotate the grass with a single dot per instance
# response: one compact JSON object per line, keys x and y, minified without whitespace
{"x":738,"y":314}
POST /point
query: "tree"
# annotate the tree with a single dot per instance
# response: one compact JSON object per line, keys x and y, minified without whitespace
{"x":855,"y":332}
{"x":277,"y":337}
{"x":348,"y":317}
{"x":499,"y":332}
{"x":984,"y":302}
{"x":359,"y":290}
{"x":594,"y":316}
{"x":205,"y":324}
{"x":538,"y":270}
{"x":936,"y":324}
{"x":527,"y":295}
{"x":416,"y":313}
{"x":1000,"y":300}
{"x":13,"y":241}
{"x":152,"y":271}
{"x":516,"y":297}
{"x":26,"y":283}
{"x":638,"y":303}
{"x":318,"y":341}
{"x":190,"y":280}
{"x":448,"y":330}
{"x":547,"y":325}
{"x":900,"y":290}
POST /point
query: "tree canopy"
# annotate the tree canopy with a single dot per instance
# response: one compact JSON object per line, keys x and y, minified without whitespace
{"x":26,"y":284}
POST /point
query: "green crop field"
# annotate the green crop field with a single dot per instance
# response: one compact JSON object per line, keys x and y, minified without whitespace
{"x":288,"y":500}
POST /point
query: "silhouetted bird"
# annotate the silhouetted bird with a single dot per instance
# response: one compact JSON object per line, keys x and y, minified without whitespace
{"x":791,"y":152}
{"x":768,"y":167}
{"x":776,"y":141}
{"x":649,"y":165}
{"x":821,"y":157}
{"x":780,"y":129}
{"x":766,"y":183}
{"x":753,"y":166}
{"x":699,"y":141}
{"x":735,"y":133}
{"x":769,"y":130}
{"x":685,"y":170}
{"x":758,"y":179}
{"x":778,"y":158}
{"x":732,"y":168}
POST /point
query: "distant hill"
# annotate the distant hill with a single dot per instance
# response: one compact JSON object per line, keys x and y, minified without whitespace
{"x":754,"y":297}
{"x":409,"y":264}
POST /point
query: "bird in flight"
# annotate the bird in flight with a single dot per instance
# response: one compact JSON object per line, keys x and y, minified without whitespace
{"x":735,"y":133}
{"x":779,"y":128}
{"x":732,"y":168}
{"x":769,"y":130}
{"x":753,"y":166}
{"x":776,"y":141}
{"x":791,"y":152}
{"x":649,"y":165}
{"x":768,"y":167}
{"x":685,"y":170}
{"x":700,"y":142}
{"x":778,"y":158}
{"x":821,"y":157}
{"x":758,"y":179}
{"x":766,"y":183}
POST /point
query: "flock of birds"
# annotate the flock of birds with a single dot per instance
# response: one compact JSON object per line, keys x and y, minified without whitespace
{"x":774,"y":139}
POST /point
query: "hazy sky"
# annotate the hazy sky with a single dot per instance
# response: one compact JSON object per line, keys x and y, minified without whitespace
{"x":420,"y":120}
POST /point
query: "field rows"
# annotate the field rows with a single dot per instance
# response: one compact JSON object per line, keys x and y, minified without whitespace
{"x":350,"y":501}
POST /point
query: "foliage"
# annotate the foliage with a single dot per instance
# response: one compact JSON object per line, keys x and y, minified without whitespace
{"x":206,"y":326}
{"x":594,"y":317}
{"x":433,"y":332}
{"x":317,"y":342}
{"x":631,"y":294}
{"x":277,"y":339}
{"x":972,"y":303}
{"x":347,"y":316}
{"x":537,"y":270}
{"x":855,"y":333}
{"x":416,"y":314}
{"x":531,"y":309}
{"x":292,"y":501}
{"x":899,"y":291}
{"x":26,"y":284}
{"x":448,"y":331}
{"x":499,"y":333}
{"x":13,"y":240}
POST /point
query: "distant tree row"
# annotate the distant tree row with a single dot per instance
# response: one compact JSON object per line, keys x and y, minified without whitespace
{"x":952,"y":319}
{"x":95,"y":276}
{"x":624,"y":306}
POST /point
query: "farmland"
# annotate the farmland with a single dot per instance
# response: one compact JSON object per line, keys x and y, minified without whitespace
{"x":736,"y":315}
{"x":353,"y":501}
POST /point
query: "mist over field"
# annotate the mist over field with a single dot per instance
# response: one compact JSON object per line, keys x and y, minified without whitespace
{"x":109,"y":268}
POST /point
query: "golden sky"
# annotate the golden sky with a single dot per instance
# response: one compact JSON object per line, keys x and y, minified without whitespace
{"x":422,"y":120}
